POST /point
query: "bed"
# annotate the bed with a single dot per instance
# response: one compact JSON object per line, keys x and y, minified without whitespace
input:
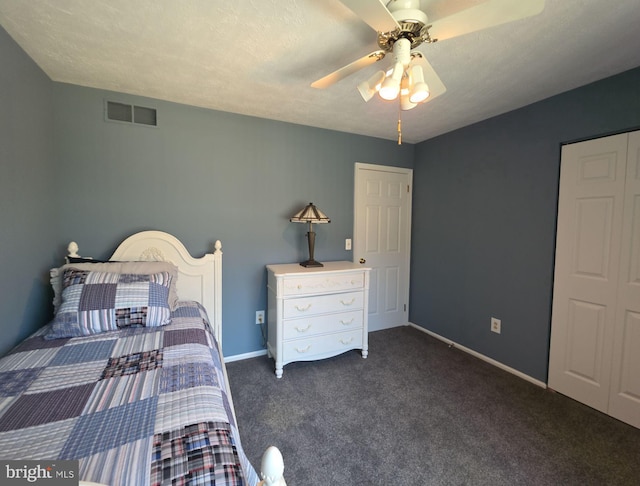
{"x":128,"y":381}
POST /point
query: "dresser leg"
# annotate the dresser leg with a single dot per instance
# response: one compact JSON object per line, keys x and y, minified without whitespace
{"x":365,"y":353}
{"x":278,"y":371}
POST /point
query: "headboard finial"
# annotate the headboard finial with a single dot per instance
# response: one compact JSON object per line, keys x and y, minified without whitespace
{"x":73,"y":249}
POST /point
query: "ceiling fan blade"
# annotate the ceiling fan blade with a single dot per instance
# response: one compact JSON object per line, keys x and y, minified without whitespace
{"x":436,"y":86}
{"x":374,"y":13}
{"x":348,"y":70}
{"x":482,"y":16}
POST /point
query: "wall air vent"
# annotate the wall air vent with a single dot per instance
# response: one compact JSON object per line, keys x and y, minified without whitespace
{"x":145,"y":116}
{"x":119,"y":112}
{"x":139,"y":115}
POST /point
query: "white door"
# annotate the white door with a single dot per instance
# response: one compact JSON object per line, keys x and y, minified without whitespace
{"x":625,"y":377}
{"x":590,"y":210}
{"x":382,"y":240}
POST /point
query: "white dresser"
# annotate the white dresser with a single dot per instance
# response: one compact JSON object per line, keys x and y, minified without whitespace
{"x":315,"y":313}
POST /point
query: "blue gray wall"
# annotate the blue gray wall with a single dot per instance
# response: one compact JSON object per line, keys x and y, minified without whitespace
{"x":484,"y":217}
{"x":28,"y":231}
{"x":204,"y":175}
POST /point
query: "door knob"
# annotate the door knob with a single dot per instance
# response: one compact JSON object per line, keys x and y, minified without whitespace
{"x":362,"y":260}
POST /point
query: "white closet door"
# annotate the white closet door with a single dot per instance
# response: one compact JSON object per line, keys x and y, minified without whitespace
{"x":625,"y":378}
{"x":590,"y":212}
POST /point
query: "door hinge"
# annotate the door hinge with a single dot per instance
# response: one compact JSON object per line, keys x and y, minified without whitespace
{"x":405,"y":307}
{"x":408,"y":190}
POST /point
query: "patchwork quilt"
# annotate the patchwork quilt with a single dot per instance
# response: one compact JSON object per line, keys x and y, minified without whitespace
{"x":137,"y":406}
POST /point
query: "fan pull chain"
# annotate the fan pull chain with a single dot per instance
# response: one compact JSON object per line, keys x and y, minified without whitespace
{"x":399,"y":126}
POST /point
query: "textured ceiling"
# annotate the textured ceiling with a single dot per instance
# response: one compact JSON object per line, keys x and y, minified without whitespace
{"x":259,"y":57}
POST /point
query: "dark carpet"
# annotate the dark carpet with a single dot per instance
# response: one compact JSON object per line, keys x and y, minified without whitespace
{"x":417,"y":412}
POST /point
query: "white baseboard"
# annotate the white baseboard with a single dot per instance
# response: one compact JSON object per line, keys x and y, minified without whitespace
{"x":239,"y":357}
{"x":482,"y":357}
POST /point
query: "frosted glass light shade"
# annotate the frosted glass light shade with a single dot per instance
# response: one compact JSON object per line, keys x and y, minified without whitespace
{"x":419,"y":89}
{"x":371,"y":86}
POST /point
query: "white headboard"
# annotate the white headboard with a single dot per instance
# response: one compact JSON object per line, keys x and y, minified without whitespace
{"x":199,"y":279}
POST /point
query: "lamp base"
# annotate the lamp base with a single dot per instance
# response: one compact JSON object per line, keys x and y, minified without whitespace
{"x":311,"y":263}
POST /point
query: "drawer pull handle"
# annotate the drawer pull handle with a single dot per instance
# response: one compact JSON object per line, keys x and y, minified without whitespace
{"x":303,"y":350}
{"x":353,"y":299}
{"x":347,"y":341}
{"x":346,"y":323}
{"x":299,"y":329}
{"x":303,"y":308}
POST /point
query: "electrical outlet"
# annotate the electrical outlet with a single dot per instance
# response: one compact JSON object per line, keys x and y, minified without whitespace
{"x":260,"y":317}
{"x":496,"y":325}
{"x":347,"y":244}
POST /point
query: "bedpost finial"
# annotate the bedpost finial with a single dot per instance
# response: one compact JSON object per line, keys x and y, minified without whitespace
{"x":73,"y":249}
{"x":218,"y":245}
{"x":272,"y":468}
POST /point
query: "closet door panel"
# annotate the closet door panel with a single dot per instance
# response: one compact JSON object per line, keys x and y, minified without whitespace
{"x":625,"y":377}
{"x":590,"y":214}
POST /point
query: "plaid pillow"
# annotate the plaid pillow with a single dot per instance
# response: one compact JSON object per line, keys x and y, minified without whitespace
{"x":95,"y":302}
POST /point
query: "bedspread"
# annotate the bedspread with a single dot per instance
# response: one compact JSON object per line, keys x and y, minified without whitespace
{"x":135,"y":406}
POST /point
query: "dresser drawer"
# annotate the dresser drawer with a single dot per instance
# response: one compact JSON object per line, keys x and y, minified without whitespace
{"x":322,"y":304}
{"x":311,"y":326}
{"x":307,"y":349}
{"x":320,"y":284}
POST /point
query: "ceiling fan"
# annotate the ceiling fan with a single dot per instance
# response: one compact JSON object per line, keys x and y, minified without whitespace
{"x":402,"y":26}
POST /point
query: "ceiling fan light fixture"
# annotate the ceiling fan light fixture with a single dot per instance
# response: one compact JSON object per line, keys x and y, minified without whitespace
{"x":419,"y":93}
{"x":390,"y":89}
{"x":406,"y":104}
{"x":405,"y":85}
{"x":371,"y":86}
{"x":391,"y":85}
{"x":419,"y":89}
{"x":405,"y":88}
